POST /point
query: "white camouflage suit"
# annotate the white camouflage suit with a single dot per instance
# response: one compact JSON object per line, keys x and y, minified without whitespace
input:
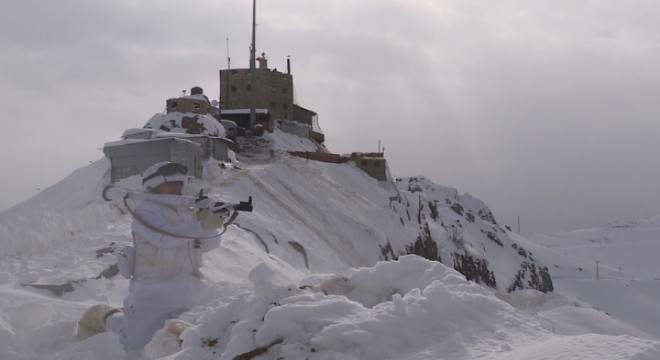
{"x":166,"y":279}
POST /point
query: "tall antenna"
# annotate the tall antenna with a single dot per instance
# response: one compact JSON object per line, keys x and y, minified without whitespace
{"x":253,"y":98}
{"x":228,"y":57}
{"x":226,"y":82}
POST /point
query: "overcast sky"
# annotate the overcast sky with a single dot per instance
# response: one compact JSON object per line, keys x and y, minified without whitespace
{"x":547,"y":110}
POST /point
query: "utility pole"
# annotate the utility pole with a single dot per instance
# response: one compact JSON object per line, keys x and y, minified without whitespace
{"x":597,"y":270}
{"x":253,"y":95}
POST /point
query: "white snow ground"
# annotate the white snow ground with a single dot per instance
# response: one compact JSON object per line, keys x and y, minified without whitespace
{"x":300,"y":277}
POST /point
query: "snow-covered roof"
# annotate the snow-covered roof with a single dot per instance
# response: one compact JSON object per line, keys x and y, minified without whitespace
{"x":190,"y":123}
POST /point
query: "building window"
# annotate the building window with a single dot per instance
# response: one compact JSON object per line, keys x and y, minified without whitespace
{"x":233,"y":89}
{"x":273,"y":104}
{"x":284,"y":106}
{"x":249,"y":87}
{"x":284,"y":91}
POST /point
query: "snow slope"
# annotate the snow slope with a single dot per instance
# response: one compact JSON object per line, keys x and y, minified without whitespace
{"x":613,"y":267}
{"x":303,"y":276}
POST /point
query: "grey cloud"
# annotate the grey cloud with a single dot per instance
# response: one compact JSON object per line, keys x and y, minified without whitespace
{"x":546,"y":110}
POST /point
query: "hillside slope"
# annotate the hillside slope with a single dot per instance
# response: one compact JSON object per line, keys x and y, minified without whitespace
{"x":302,"y":275}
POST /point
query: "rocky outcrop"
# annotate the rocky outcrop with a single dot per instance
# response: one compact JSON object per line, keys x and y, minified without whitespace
{"x":460,"y":231}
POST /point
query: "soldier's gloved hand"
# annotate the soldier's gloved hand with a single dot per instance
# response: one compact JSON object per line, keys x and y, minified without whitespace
{"x":221,"y":209}
{"x":203,"y":201}
{"x":212,"y":221}
{"x":202,"y":214}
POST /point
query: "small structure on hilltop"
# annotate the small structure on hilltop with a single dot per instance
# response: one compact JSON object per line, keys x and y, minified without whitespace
{"x":374,"y":164}
{"x":193,"y":128}
{"x":196,"y":103}
{"x":187,"y":133}
{"x":130,"y":158}
{"x":274,"y":97}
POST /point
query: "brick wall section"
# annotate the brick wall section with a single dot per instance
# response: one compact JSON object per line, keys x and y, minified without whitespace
{"x":318,"y":156}
{"x":374,"y":164}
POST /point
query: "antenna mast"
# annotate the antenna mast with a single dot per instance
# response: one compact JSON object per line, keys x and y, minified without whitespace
{"x":228,"y":57}
{"x":226,"y":82}
{"x":253,"y":99}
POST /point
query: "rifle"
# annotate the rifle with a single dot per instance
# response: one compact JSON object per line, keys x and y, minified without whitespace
{"x":113,"y":193}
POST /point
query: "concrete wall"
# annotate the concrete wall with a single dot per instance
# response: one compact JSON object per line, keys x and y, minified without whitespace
{"x":185,"y":105}
{"x":274,"y":91}
{"x":132,"y":158}
{"x":292,"y":127}
{"x":374,"y":167}
{"x":216,"y":148}
{"x":318,"y":156}
{"x":302,"y":115}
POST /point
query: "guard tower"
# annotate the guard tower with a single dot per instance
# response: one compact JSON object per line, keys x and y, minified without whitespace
{"x":274,"y":89}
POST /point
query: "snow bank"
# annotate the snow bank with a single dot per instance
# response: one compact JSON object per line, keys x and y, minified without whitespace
{"x":394,"y":310}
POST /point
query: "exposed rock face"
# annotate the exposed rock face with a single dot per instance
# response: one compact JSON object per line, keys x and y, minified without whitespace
{"x":425,"y":246}
{"x":460,"y":231}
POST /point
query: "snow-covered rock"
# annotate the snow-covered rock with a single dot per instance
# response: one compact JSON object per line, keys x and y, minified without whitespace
{"x":186,"y":123}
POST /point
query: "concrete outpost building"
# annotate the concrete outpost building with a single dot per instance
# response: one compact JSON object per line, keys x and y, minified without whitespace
{"x":274,"y":95}
{"x":185,"y":136}
{"x":275,"y":106}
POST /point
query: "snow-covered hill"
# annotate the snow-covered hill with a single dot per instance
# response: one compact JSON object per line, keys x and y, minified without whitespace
{"x":614,"y":268}
{"x":310,"y":274}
